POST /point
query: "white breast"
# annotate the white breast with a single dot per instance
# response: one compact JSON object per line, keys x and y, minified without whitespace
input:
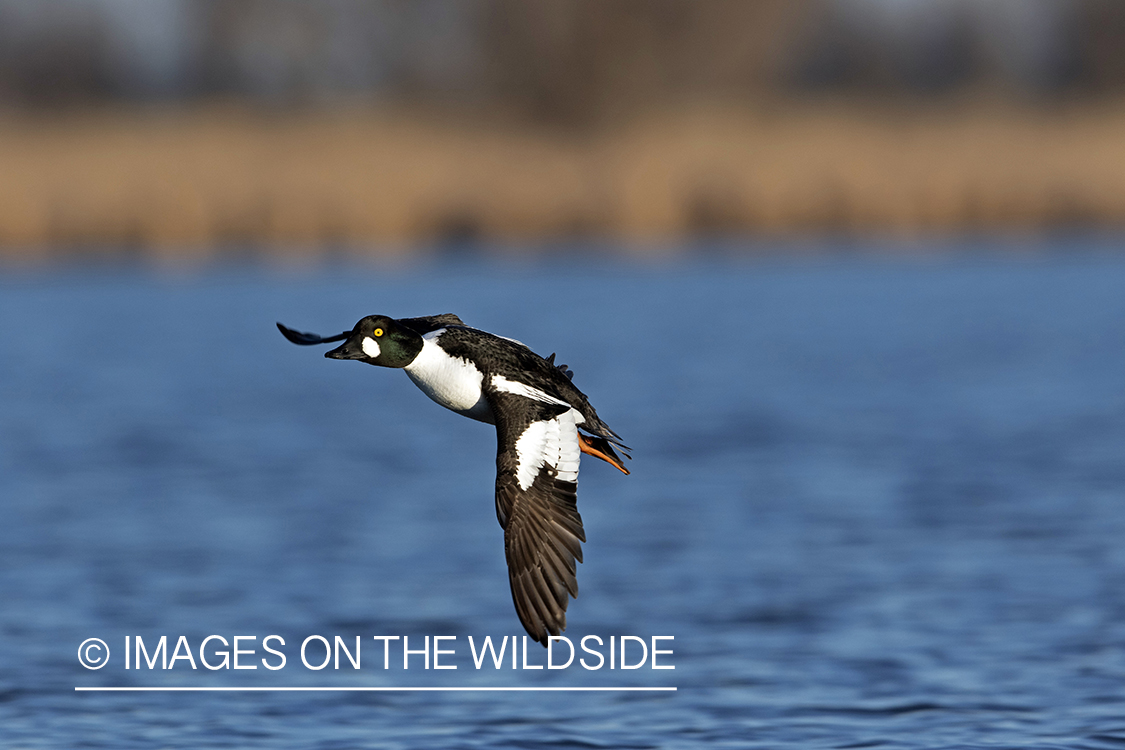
{"x":453,"y":382}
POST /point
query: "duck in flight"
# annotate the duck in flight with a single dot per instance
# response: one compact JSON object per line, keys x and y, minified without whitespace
{"x":543,"y":424}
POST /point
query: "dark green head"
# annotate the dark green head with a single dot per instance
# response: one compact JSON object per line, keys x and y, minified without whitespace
{"x":379,"y":340}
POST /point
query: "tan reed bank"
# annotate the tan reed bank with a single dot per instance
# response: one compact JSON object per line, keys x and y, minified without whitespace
{"x":185,"y":181}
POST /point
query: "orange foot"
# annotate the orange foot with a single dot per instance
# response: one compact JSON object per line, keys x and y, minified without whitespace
{"x":600,"y":448}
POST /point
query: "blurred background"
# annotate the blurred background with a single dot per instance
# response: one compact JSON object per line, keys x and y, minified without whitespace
{"x":875,"y":383}
{"x":183,"y":127}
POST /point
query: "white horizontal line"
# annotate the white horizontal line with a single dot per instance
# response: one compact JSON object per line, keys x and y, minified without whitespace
{"x":369,"y":689}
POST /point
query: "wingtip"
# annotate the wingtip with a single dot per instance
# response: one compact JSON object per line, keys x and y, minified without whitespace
{"x":290,"y":335}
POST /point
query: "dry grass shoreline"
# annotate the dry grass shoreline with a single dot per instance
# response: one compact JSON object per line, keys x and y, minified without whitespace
{"x":169,"y":180}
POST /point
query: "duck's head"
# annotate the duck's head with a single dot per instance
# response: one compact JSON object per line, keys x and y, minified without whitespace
{"x":379,"y":340}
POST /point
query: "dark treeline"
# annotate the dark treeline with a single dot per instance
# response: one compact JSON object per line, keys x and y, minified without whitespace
{"x":554,"y":60}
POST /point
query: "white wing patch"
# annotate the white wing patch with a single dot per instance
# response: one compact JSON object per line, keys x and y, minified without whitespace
{"x":552,"y":443}
{"x":501,"y":383}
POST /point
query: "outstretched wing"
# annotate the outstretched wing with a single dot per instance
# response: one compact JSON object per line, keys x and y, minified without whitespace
{"x":536,"y":504}
{"x":308,"y":339}
{"x":429,"y":323}
{"x":421,"y":325}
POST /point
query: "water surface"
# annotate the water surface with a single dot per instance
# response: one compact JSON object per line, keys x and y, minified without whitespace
{"x":878,"y":503}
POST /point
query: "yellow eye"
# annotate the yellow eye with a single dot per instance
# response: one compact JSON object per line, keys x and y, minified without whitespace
{"x":378,"y":331}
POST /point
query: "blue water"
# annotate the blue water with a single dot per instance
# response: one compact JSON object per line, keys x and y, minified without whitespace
{"x":877,"y":503}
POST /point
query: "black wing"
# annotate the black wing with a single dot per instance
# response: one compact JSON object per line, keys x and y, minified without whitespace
{"x":421,"y":325}
{"x":429,"y":323}
{"x":536,"y":504}
{"x":308,"y":339}
{"x":535,"y":371}
{"x":561,"y":368}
